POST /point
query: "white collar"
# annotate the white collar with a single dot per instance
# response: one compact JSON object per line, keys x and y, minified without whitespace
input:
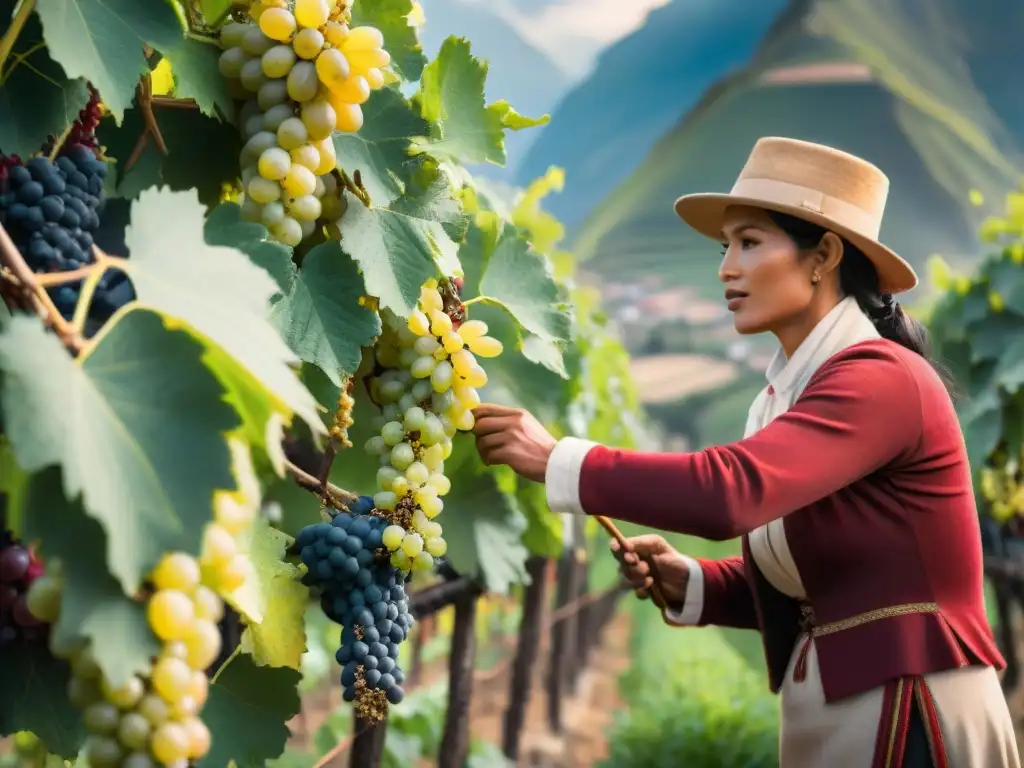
{"x":845,"y":324}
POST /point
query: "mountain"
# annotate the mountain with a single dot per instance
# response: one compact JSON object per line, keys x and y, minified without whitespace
{"x":640,"y":86}
{"x":519,"y":71}
{"x":926,"y":89}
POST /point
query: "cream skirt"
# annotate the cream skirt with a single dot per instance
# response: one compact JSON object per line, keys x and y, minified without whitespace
{"x":975,"y":722}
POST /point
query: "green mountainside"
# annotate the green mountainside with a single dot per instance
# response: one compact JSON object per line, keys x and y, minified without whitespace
{"x":935,"y":104}
{"x":639,"y":88}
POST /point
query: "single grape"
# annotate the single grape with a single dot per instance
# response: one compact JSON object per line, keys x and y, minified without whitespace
{"x":412,"y":544}
{"x":332,"y":67}
{"x":203,"y":644}
{"x":436,"y":546}
{"x":170,"y":743}
{"x":231,"y":62}
{"x":417,"y":473}
{"x":292,"y":134}
{"x":276,"y":115}
{"x":349,"y":118}
{"x":126,"y":696}
{"x":274,"y":163}
{"x":302,"y":81}
{"x":133,"y":731}
{"x":255,"y":43}
{"x":14,"y":563}
{"x":176,"y":570}
{"x":355,"y":90}
{"x":289,"y":231}
{"x":278,"y":61}
{"x":252,"y":76}
{"x":392,"y":537}
{"x":171,"y":679}
{"x":312,"y":13}
{"x":308,"y":43}
{"x":299,"y":181}
{"x":263,"y":190}
{"x":402,"y":456}
{"x":308,"y":156}
{"x":320,"y":119}
{"x":170,"y":614}
{"x":278,"y":24}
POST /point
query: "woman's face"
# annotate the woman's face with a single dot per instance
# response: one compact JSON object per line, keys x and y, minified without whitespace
{"x":767,"y":280}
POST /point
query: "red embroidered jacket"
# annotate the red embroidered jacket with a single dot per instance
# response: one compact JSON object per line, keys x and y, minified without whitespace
{"x":870,"y":471}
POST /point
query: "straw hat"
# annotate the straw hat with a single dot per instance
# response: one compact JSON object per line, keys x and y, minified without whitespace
{"x":813,"y":182}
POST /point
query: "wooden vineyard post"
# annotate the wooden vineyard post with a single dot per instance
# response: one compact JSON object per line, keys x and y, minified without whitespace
{"x":455,"y":741}
{"x":367,"y":745}
{"x":527,"y":647}
{"x":584,"y":626}
{"x":563,"y":633}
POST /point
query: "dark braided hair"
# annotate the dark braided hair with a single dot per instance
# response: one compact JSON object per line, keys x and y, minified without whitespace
{"x":859,"y":278}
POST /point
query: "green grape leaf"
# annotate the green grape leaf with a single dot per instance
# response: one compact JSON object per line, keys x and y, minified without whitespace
{"x":1010,"y":369}
{"x":204,"y":166}
{"x":225,"y":226}
{"x":216,"y":290}
{"x":514,"y":379}
{"x":391,"y":17}
{"x":321,"y":318}
{"x":380,"y":150}
{"x":274,"y":602}
{"x":520,"y":279}
{"x":397,"y":247}
{"x":544,"y":529}
{"x":118,"y":420}
{"x":982,"y":424}
{"x":452,"y":101}
{"x":247,"y":710}
{"x":93,"y":604}
{"x":196,"y":69}
{"x":102,"y":41}
{"x":33,"y":697}
{"x":31,"y":78}
{"x":482,"y":524}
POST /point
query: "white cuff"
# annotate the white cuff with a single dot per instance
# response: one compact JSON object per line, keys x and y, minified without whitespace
{"x":562,"y":476}
{"x":693,"y":603}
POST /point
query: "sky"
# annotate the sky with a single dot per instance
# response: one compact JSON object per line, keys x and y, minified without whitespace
{"x":573,"y":32}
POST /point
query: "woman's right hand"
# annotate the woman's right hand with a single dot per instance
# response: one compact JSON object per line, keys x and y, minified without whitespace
{"x":673,"y":571}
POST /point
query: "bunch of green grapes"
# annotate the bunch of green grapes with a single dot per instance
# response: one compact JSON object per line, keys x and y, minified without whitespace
{"x":153,"y":720}
{"x":307,"y":74}
{"x":224,"y":559}
{"x":427,"y":390}
{"x":1005,"y":494}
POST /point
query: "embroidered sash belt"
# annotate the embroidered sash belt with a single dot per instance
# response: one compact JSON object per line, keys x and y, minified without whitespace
{"x":812,"y":629}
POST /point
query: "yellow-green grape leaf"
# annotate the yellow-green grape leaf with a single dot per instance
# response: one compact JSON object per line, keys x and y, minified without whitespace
{"x":274,"y":601}
{"x":120,"y":420}
{"x":215,"y":289}
{"x":513,"y":120}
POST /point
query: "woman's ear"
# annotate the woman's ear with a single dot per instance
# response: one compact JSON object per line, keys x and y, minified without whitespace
{"x":828,"y":254}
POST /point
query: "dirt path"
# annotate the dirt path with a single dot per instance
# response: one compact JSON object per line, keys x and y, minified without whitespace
{"x":586,"y":715}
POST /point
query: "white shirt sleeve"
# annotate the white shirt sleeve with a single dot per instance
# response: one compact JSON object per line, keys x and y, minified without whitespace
{"x":693,"y":604}
{"x":562,"y":476}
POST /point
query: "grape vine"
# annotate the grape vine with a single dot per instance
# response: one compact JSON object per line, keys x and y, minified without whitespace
{"x":258,"y":268}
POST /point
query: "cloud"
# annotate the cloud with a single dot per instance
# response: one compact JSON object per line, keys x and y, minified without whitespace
{"x":573,"y":32}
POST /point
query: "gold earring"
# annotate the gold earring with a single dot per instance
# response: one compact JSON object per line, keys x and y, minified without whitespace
{"x":815,"y":278}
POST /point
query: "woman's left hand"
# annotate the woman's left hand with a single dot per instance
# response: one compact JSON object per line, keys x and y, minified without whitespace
{"x":512,"y":436}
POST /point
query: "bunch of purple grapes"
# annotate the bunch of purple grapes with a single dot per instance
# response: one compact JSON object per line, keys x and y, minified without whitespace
{"x":52,"y":212}
{"x":19,"y":568}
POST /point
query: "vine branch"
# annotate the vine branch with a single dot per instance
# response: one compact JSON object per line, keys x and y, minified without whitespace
{"x":36,"y":296}
{"x":17,"y":24}
{"x":331,"y":493}
{"x":144,"y":97}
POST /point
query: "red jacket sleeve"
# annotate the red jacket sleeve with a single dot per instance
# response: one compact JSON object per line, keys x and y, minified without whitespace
{"x":860,"y":412}
{"x":728,"y":599}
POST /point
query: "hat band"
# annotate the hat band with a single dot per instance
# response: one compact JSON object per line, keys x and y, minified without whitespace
{"x":797,"y":196}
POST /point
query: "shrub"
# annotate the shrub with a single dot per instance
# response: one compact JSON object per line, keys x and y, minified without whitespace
{"x":694,"y":701}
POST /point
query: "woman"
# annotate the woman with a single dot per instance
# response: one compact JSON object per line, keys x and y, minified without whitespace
{"x":861,"y":563}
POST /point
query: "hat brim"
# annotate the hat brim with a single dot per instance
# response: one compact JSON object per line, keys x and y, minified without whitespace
{"x":705,"y":213}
